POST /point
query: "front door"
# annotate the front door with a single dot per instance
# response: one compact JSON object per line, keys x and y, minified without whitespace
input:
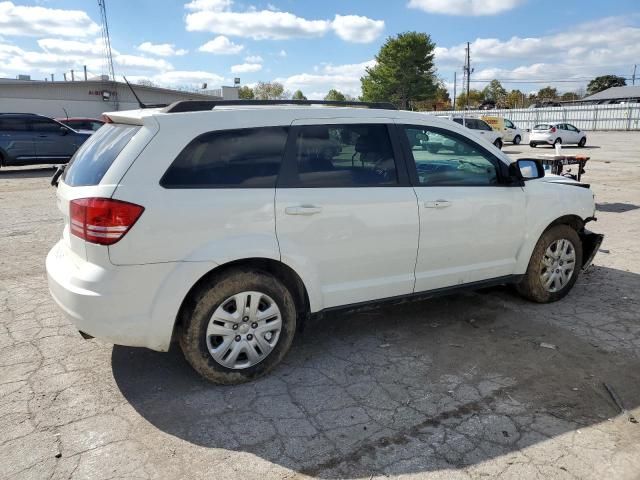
{"x":16,"y":140}
{"x":54,"y":142}
{"x":346,"y":216}
{"x":471,"y":223}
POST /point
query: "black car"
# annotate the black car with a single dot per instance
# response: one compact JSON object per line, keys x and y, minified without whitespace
{"x":30,"y":139}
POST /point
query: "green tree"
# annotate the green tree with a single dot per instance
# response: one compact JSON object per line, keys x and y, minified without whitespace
{"x":245,"y":93}
{"x":569,"y":96}
{"x":515,"y":99}
{"x":547,"y":93}
{"x":269,"y":91}
{"x":335,"y":96}
{"x":603,"y":82}
{"x":404,"y":71}
{"x":298,"y":95}
{"x":475,"y":99}
{"x":496,"y":92}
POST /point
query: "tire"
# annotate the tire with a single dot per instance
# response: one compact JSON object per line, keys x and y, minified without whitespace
{"x":557,"y":141}
{"x":532,"y":286}
{"x":533,"y":144}
{"x":582,"y":142}
{"x":517,"y":139}
{"x":498,"y":143}
{"x":218,"y":298}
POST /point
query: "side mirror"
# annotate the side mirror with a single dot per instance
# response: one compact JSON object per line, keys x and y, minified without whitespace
{"x":527,"y":169}
{"x":64,"y":130}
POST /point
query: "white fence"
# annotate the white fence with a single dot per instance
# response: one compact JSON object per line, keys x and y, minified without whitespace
{"x":585,"y":117}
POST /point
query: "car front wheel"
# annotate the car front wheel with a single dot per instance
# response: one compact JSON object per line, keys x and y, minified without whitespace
{"x":582,"y":142}
{"x":517,"y":140}
{"x":238,"y":326}
{"x":533,"y":144}
{"x":554,"y":265}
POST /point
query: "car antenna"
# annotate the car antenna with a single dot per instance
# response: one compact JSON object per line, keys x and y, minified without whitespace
{"x":140,"y":104}
{"x":66,"y":113}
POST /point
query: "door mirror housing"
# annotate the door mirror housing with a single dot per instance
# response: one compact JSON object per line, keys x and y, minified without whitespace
{"x":64,"y":130}
{"x":527,"y":169}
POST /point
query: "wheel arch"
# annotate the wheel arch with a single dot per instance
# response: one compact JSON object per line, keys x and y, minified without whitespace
{"x":287,"y":275}
{"x":574,"y":221}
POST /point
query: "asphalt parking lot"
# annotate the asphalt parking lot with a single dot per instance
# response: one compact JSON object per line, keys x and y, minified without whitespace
{"x":454,"y":387}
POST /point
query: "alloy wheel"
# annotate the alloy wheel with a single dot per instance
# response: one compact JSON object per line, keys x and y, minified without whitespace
{"x":558,"y":265}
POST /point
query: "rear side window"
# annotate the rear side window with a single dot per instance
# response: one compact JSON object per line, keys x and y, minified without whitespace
{"x":345,"y":156}
{"x":13,"y":124}
{"x":95,"y":156}
{"x":247,"y":158}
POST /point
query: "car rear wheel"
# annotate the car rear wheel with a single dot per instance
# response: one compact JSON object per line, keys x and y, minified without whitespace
{"x":498,"y":143}
{"x":238,"y":326}
{"x":517,"y":140}
{"x":533,"y":144}
{"x":554,"y":265}
{"x":557,"y":141}
{"x":582,"y":142}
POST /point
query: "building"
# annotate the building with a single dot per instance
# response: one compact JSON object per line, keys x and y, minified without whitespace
{"x":628,"y":94}
{"x":90,"y":98}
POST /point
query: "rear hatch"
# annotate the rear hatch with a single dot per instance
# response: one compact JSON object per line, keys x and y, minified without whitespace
{"x":84,"y":174}
{"x":542,"y":127}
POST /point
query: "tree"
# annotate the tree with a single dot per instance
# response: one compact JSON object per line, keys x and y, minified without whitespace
{"x":515,"y":99}
{"x":269,"y":91}
{"x":298,"y":95}
{"x":547,"y":93}
{"x":245,"y":93}
{"x":475,"y":98}
{"x":335,"y":96}
{"x":495,"y":92}
{"x":603,"y":82}
{"x":440,"y":100}
{"x":569,"y":96}
{"x":404,"y":71}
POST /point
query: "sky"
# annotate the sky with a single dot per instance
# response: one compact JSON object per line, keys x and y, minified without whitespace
{"x":318,"y":45}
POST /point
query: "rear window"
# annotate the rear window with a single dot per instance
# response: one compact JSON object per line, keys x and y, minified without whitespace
{"x":247,"y":158}
{"x":95,"y":156}
{"x":542,"y":126}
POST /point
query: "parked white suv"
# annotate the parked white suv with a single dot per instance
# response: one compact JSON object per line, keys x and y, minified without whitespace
{"x":556,"y":132}
{"x":481,"y":129}
{"x":226,"y":226}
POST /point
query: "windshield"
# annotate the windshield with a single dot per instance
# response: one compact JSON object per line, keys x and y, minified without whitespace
{"x":95,"y":156}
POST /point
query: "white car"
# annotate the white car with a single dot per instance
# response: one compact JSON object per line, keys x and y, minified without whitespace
{"x":226,"y":226}
{"x":556,"y":132}
{"x":512,"y":132}
{"x":481,"y":129}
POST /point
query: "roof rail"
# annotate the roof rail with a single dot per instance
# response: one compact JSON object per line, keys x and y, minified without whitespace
{"x":201,"y":105}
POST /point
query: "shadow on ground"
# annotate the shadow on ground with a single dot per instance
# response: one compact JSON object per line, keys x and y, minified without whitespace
{"x":616,"y":207}
{"x":40,"y":172}
{"x":424,"y":386}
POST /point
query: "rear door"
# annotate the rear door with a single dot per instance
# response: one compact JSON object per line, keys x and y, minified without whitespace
{"x":471,"y":222}
{"x":346,"y":216}
{"x":16,"y":140}
{"x":54,"y":142}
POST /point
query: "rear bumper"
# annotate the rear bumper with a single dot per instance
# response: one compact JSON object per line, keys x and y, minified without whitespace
{"x":590,"y":244}
{"x":113,"y":304}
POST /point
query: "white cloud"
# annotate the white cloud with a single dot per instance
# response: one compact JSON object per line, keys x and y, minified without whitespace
{"x":142,"y":63}
{"x":282,"y":53}
{"x":217,"y":17}
{"x":345,"y":78}
{"x":246,"y":68}
{"x":162,"y":49}
{"x":465,"y":7}
{"x":186,"y":78}
{"x":36,"y":21}
{"x":57,"y":45}
{"x":357,"y":29}
{"x":221,"y":45}
{"x":254,"y":59}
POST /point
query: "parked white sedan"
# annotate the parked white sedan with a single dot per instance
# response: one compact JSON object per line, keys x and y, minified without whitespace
{"x":553,"y":133}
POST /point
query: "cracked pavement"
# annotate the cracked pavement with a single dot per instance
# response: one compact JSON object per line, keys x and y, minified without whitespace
{"x":453,"y":387}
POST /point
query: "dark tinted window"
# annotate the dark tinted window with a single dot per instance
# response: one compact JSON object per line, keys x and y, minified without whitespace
{"x":458,"y":120}
{"x":482,"y":125}
{"x":13,"y":124}
{"x":95,"y":156}
{"x":42,"y":125}
{"x":230,"y":158}
{"x":345,"y":156}
{"x":446,"y":159}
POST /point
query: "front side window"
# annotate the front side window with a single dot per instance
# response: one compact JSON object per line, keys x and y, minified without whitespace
{"x":345,"y":156}
{"x":482,"y":125}
{"x":509,"y":124}
{"x":247,"y":158}
{"x":43,"y":125}
{"x":446,"y":159}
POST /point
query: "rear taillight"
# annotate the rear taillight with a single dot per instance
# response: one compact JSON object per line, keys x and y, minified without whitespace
{"x":552,"y":129}
{"x":102,"y":220}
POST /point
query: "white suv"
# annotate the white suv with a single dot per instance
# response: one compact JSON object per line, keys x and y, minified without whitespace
{"x":225,"y":226}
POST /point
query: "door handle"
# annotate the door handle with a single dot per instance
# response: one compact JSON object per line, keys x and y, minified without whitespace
{"x":303,"y":210}
{"x":437,"y":204}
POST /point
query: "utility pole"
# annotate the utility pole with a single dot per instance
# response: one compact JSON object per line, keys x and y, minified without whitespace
{"x":467,"y":72}
{"x":454,"y":90}
{"x":633,"y":79}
